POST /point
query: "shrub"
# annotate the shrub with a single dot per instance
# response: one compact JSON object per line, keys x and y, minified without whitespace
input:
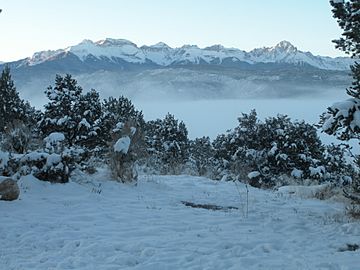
{"x":127,"y":148}
{"x":54,"y":170}
{"x":168,"y":144}
{"x":47,"y":167}
{"x":201,"y":156}
{"x":16,"y":138}
{"x":274,"y":148}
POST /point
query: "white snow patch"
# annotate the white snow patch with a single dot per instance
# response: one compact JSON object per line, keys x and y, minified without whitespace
{"x":84,"y":123}
{"x":34,"y":156}
{"x":297,"y":173}
{"x":303,"y":191}
{"x":253,"y":174}
{"x":317,"y":171}
{"x":55,"y":137}
{"x":122,"y":145}
{"x":273,"y":150}
{"x":133,"y":130}
{"x":53,"y":159}
{"x":356,"y":120}
{"x":4,"y":159}
{"x":119,"y":126}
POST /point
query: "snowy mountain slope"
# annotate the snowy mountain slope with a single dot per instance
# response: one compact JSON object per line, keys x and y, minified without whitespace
{"x":98,"y":224}
{"x":285,"y":52}
{"x":113,"y":50}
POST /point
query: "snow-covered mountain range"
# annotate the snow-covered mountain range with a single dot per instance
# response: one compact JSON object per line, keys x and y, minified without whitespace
{"x":119,"y":67}
{"x":118,"y":51}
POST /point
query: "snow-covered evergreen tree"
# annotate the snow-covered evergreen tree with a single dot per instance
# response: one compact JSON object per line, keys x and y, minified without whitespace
{"x":295,"y":147}
{"x":17,"y":118}
{"x":201,"y":156}
{"x":90,"y":110}
{"x":62,"y":111}
{"x":262,"y":151}
{"x":168,"y":142}
{"x":72,"y":113}
{"x":118,"y":110}
{"x":339,"y":163}
{"x":17,"y":138}
{"x":347,"y":15}
{"x":342,"y":119}
{"x":12,"y":107}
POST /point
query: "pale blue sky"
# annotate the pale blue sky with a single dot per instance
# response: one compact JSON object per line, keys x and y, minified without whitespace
{"x":30,"y":26}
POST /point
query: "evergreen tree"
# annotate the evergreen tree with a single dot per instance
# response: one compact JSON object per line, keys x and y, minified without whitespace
{"x":343,"y":118}
{"x":292,"y":146}
{"x":12,"y":108}
{"x":62,"y":112}
{"x":270,"y":149}
{"x":201,"y":155}
{"x":348,"y":17}
{"x":90,"y":110}
{"x":337,"y":160}
{"x":75,"y":115}
{"x":167,"y":141}
{"x":237,"y":151}
{"x":118,"y":110}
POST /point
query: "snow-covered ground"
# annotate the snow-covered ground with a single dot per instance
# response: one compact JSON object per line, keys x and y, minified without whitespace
{"x":94,"y":223}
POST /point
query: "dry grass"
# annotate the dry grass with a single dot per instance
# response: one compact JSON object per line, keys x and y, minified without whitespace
{"x":353,"y":211}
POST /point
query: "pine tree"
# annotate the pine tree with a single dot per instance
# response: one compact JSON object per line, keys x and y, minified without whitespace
{"x":90,"y":110}
{"x":168,"y":143}
{"x":12,"y":108}
{"x":292,"y":146}
{"x":354,"y":89}
{"x":175,"y":143}
{"x":62,"y":112}
{"x":270,"y":149}
{"x":348,"y":17}
{"x":343,"y":118}
{"x":118,"y":110}
{"x":202,"y":155}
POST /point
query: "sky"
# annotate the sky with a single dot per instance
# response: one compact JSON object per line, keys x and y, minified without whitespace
{"x":31,"y":26}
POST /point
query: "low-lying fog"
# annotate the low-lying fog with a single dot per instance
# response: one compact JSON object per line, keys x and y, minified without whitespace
{"x":209,"y":115}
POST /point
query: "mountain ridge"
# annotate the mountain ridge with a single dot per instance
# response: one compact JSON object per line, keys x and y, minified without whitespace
{"x":160,"y":54}
{"x":158,"y":72}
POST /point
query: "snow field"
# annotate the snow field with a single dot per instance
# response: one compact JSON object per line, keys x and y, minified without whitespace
{"x":94,"y":223}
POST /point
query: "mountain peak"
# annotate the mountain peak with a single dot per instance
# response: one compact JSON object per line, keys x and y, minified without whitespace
{"x":115,"y":42}
{"x":187,"y":46}
{"x":216,"y":48}
{"x":160,"y":45}
{"x":285,"y":46}
{"x":86,"y":41}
